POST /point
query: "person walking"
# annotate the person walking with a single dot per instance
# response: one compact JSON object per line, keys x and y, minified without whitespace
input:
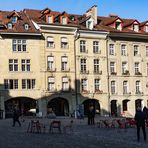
{"x":140,"y":123}
{"x":91,"y":115}
{"x":16,"y":115}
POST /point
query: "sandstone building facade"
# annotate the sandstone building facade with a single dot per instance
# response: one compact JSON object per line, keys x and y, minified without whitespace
{"x":58,"y":60}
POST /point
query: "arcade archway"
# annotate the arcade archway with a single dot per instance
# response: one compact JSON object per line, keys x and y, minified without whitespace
{"x":24,"y":104}
{"x":88,"y":103}
{"x":114,"y":107}
{"x":60,"y":106}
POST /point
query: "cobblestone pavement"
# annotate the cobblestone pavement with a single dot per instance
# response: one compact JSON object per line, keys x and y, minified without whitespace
{"x":83,"y":136}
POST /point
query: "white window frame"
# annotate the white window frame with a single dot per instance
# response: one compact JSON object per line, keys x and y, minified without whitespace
{"x":19,"y":45}
{"x":28,"y":83}
{"x":25,"y":64}
{"x":84,"y":85}
{"x":64,"y":63}
{"x":82,"y":46}
{"x":95,"y":46}
{"x":125,"y":87}
{"x":64,"y":42}
{"x":97,"y":84}
{"x":111,"y":49}
{"x":51,"y":83}
{"x":83,"y":63}
{"x":112,"y":67}
{"x":11,"y":83}
{"x":138,"y":86}
{"x":113,"y":87}
{"x":65,"y":83}
{"x":136,"y":50}
{"x":13,"y":64}
{"x":50,"y":62}
{"x":96,"y":65}
{"x":137,"y":67}
{"x":124,"y":67}
{"x":123,"y":50}
{"x":50,"y":42}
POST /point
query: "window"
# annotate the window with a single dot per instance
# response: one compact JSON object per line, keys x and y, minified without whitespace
{"x":82,"y":46}
{"x":64,"y":42}
{"x":136,"y":50}
{"x":83,"y":65}
{"x":13,"y":65}
{"x":124,"y":67}
{"x":89,"y":24}
{"x":113,"y":87}
{"x":64,"y":63}
{"x":138,"y":89}
{"x":111,"y":49}
{"x":50,"y":20}
{"x":97,"y":84}
{"x":64,"y":20}
{"x":14,"y":19}
{"x":112,"y":67}
{"x":84,"y":84}
{"x":26,"y":26}
{"x":118,"y":25}
{"x":51,"y":83}
{"x":95,"y":47}
{"x":136,"y":27}
{"x":147,"y":51}
{"x":10,"y":83}
{"x":147,"y":68}
{"x":137,"y":67}
{"x":125,"y":87}
{"x":65,"y":84}
{"x":28,"y":83}
{"x":123,"y":50}
{"x":146,"y":28}
{"x":96,"y":65}
{"x":25,"y":64}
{"x":50,"y":42}
{"x":9,"y":25}
{"x":50,"y":63}
{"x":18,"y":45}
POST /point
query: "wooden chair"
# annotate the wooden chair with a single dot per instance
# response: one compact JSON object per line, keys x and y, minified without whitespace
{"x":34,"y":127}
{"x":55,"y":125}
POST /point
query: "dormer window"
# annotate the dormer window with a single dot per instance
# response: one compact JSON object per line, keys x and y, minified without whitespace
{"x":14,"y":19}
{"x":26,"y":26}
{"x":136,"y":27}
{"x":146,"y":28}
{"x":118,"y":25}
{"x":50,"y":19}
{"x":64,"y":20}
{"x":89,"y":24}
{"x":9,"y":25}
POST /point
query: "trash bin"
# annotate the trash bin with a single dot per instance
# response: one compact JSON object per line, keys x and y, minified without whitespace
{"x":1,"y":114}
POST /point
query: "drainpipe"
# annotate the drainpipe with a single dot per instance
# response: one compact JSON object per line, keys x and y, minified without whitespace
{"x":76,"y":37}
{"x":109,"y":109}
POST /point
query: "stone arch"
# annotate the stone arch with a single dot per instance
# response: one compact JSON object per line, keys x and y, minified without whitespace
{"x":125,"y":105}
{"x":93,"y":102}
{"x":60,"y":106}
{"x":24,"y":104}
{"x":138,"y":103}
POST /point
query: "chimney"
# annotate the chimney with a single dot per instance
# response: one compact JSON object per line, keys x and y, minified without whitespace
{"x":93,"y":13}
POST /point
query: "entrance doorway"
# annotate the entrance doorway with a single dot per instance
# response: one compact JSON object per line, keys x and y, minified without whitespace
{"x":60,"y":106}
{"x":114,"y":108}
{"x":88,"y":103}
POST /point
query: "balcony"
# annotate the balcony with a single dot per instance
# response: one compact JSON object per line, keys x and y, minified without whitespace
{"x":138,"y":73}
{"x":51,"y":69}
{"x":98,"y":91}
{"x":65,"y":70}
{"x":84,"y":72}
{"x":113,"y":73}
{"x":98,"y":72}
{"x":139,"y":93}
{"x":126,"y":72}
{"x":85,"y":91}
{"x":97,"y":52}
{"x":126,"y":93}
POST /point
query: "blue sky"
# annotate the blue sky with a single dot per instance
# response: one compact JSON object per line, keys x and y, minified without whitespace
{"x":136,"y":9}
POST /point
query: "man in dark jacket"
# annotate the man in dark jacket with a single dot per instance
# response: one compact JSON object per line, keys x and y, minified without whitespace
{"x":140,"y":122}
{"x":16,"y":115}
